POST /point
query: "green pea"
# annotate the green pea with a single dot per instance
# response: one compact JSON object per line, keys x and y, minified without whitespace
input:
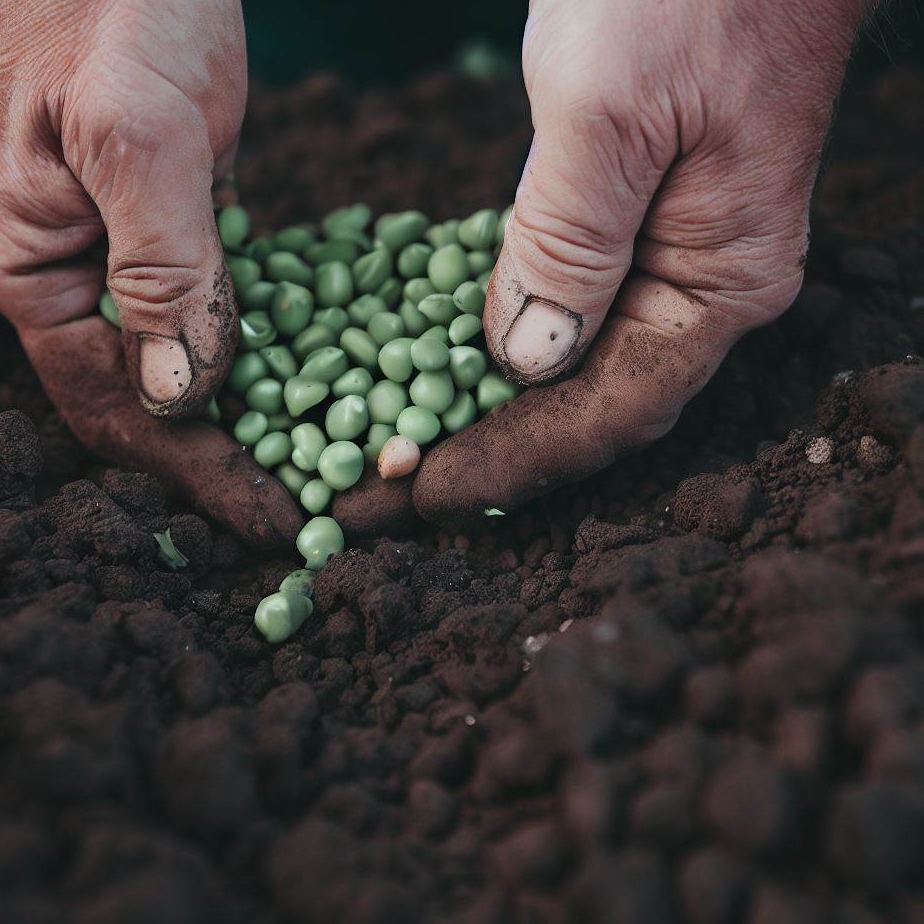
{"x":352,"y":382}
{"x":413,"y":260}
{"x":416,"y":290}
{"x":469,"y":298}
{"x":390,"y":292}
{"x":283,"y":266}
{"x":308,"y":441}
{"x":259,"y":249}
{"x":300,"y":394}
{"x":494,"y":390}
{"x":320,"y":538}
{"x":265,"y":396}
{"x":280,"y":615}
{"x":379,"y":434}
{"x":371,"y":270}
{"x":259,"y":296}
{"x":339,"y":251}
{"x":439,"y":309}
{"x":273,"y":449}
{"x":460,"y":414}
{"x":313,"y":338}
{"x":432,"y":391}
{"x":300,"y":581}
{"x":359,"y":238}
{"x":233,"y":226}
{"x":245,"y":370}
{"x":280,"y":421}
{"x":364,"y":309}
{"x":464,"y":327}
{"x":281,"y":361}
{"x":418,"y":424}
{"x":502,"y":225}
{"x":360,"y":347}
{"x":467,"y":366}
{"x":446,"y":233}
{"x":250,"y":428}
{"x":291,"y":309}
{"x":213,"y":411}
{"x":346,"y":418}
{"x":448,"y":268}
{"x":293,"y":478}
{"x":395,"y":360}
{"x":484,"y":280}
{"x":478,"y":231}
{"x":325,"y":365}
{"x":257,"y":330}
{"x":334,"y":318}
{"x":109,"y":309}
{"x":386,"y":400}
{"x":341,"y":465}
{"x":372,"y":448}
{"x":415,"y":323}
{"x":429,"y":355}
{"x":437,"y":332}
{"x":480,"y":261}
{"x":350,"y":217}
{"x":396,"y":231}
{"x":293,"y":240}
{"x":315,"y":496}
{"x":334,"y":285}
{"x":385,"y":327}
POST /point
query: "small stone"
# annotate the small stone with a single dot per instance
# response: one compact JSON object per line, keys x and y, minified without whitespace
{"x":873,"y":456}
{"x":819,"y":451}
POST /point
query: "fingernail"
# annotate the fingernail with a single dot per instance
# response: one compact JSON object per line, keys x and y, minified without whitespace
{"x":165,"y":370}
{"x":541,"y":337}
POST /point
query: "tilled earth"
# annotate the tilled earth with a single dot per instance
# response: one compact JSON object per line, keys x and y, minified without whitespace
{"x":689,"y":689}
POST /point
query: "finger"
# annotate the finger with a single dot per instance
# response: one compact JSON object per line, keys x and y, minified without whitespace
{"x":148,"y":167}
{"x":81,"y":366}
{"x":376,"y":507}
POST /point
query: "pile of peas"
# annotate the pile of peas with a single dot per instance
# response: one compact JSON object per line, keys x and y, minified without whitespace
{"x":353,"y":334}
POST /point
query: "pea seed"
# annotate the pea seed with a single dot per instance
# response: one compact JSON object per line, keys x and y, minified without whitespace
{"x":313,"y":338}
{"x":480,"y":261}
{"x":273,"y":449}
{"x":399,"y":457}
{"x":478,"y":231}
{"x":464,"y":327}
{"x":469,"y":298}
{"x":467,"y":366}
{"x":398,"y":230}
{"x":415,"y":323}
{"x":364,"y":309}
{"x":448,"y":268}
{"x":291,"y":308}
{"x":346,"y":418}
{"x":259,"y":249}
{"x":429,"y":355}
{"x":283,"y":266}
{"x":439,"y":309}
{"x":483,"y":280}
{"x":385,"y":327}
{"x":300,"y":394}
{"x":350,"y":217}
{"x":280,"y":421}
{"x":320,"y":538}
{"x":300,"y":581}
{"x":437,"y":332}
{"x":308,"y":441}
{"x":390,"y":292}
{"x":413,"y":260}
{"x":293,"y":240}
{"x":293,"y":478}
{"x":281,"y":361}
{"x":333,"y":252}
{"x":257,"y":330}
{"x":446,"y":233}
{"x":315,"y":496}
{"x":250,"y":428}
{"x":334,"y":285}
{"x":233,"y":226}
{"x":432,"y":391}
{"x":371,"y":270}
{"x":502,"y":225}
{"x":265,"y":396}
{"x":494,"y":390}
{"x":259,"y":296}
{"x":334,"y":318}
{"x":213,"y":412}
{"x":325,"y":365}
{"x":352,"y":382}
{"x":341,"y":465}
{"x":109,"y":309}
{"x":378,"y":436}
{"x":359,"y":238}
{"x":462,"y":413}
{"x":386,"y":400}
{"x":418,"y":424}
{"x":395,"y":360}
{"x":360,"y":347}
{"x":280,"y":615}
{"x":245,"y":370}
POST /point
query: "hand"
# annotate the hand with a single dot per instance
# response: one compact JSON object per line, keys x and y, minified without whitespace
{"x":116,"y":119}
{"x":662,"y":214}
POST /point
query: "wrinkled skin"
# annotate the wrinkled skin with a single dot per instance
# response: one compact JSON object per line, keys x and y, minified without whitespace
{"x":663,"y":212}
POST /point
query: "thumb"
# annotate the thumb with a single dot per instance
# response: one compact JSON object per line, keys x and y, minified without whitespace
{"x":149,"y":171}
{"x":568,"y":244}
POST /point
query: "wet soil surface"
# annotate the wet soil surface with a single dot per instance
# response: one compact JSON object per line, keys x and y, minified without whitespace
{"x":689,"y":689}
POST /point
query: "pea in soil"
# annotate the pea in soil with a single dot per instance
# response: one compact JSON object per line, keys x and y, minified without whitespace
{"x":688,"y":689}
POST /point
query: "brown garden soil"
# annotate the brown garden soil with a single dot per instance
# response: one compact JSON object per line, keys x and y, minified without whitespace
{"x":688,"y":689}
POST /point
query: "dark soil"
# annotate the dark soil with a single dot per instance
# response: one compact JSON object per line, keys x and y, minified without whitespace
{"x":689,"y":689}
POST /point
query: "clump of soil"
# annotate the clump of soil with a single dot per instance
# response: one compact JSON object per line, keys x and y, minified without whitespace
{"x":688,"y":689}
